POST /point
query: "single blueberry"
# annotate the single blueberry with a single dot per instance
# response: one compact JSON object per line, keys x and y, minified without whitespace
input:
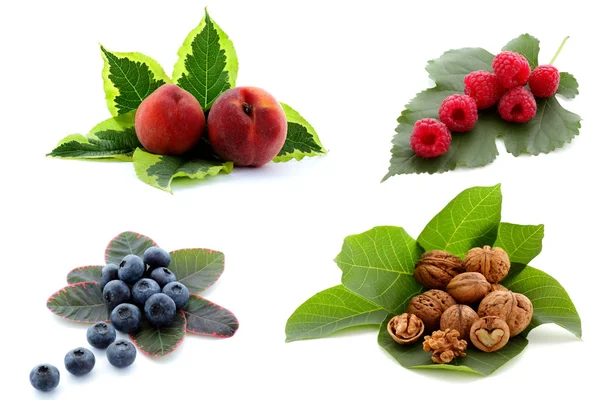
{"x":131,"y":268}
{"x":162,"y":276}
{"x":115,"y":293}
{"x":80,"y":361}
{"x":101,"y":334}
{"x":143,"y":289}
{"x":44,"y":377}
{"x":121,"y":353}
{"x":178,"y":292}
{"x":160,"y":309}
{"x":126,"y":318}
{"x":110,"y":272}
{"x":155,"y":257}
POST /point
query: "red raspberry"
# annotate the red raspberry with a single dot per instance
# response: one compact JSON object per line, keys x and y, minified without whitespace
{"x":458,"y":112}
{"x":512,"y":69}
{"x":517,"y":105}
{"x":430,"y":138}
{"x":484,"y":87}
{"x":544,"y":80}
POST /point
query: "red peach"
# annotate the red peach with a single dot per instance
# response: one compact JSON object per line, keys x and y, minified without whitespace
{"x":170,"y":121}
{"x":247,"y":125}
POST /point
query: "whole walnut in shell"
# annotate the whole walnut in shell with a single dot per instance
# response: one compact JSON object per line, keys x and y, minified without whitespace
{"x":468,"y":287}
{"x":436,"y":268}
{"x":429,"y":306}
{"x":514,"y":308}
{"x":498,"y":287}
{"x":459,"y":317}
{"x":493,"y":263}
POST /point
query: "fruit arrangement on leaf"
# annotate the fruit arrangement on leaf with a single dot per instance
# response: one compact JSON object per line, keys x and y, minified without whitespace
{"x":194,"y":124}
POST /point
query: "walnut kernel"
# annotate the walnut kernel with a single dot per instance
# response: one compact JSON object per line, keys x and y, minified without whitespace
{"x":445,"y":346}
{"x":405,"y":328}
{"x":489,"y":334}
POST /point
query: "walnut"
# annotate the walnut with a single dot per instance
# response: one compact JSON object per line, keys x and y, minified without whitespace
{"x":436,"y":268}
{"x":493,"y":263}
{"x":429,"y":306}
{"x":460,"y":318}
{"x":445,"y":346}
{"x":514,"y":308}
{"x":405,"y":328}
{"x":489,"y":334}
{"x":499,"y":287}
{"x":468,"y":287}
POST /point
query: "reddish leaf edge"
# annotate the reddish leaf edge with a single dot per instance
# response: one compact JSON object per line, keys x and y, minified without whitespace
{"x":210,"y":251}
{"x":135,"y":342}
{"x":139,"y":235}
{"x":64,"y":289}
{"x":82,"y":267}
{"x":213,"y":334}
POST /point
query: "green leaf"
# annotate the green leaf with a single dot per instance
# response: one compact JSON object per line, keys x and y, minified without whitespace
{"x":413,"y":356}
{"x":127,"y":243}
{"x":551,"y":128}
{"x":206,"y":318}
{"x":330,"y":311}
{"x":89,"y":273}
{"x":207,"y":64}
{"x":526,"y":45}
{"x":551,"y":303}
{"x":568,"y":87}
{"x":197,"y":269}
{"x":522,"y":243}
{"x":449,"y":71}
{"x":128,"y":79}
{"x":80,"y":302}
{"x":301,"y":141}
{"x":378,"y":265}
{"x":159,"y":171}
{"x":470,"y":220}
{"x":158,"y":342}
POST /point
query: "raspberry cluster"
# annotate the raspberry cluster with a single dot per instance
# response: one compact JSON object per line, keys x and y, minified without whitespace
{"x":483,"y":89}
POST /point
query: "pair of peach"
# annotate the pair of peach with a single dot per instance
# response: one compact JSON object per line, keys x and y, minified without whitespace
{"x":246,"y":125}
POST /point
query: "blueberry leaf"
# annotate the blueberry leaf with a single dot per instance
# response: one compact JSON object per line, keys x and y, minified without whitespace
{"x":206,"y":318}
{"x":568,"y":86}
{"x":197,"y":269}
{"x":158,"y":342}
{"x":522,"y":243}
{"x":124,"y":244}
{"x":89,"y":273}
{"x":80,"y":302}
{"x":527,"y":46}
{"x":301,"y":141}
{"x":329,"y":311}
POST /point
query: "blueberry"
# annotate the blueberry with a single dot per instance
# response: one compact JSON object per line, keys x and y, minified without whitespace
{"x":162,"y":276}
{"x":80,"y":361}
{"x":115,"y":293}
{"x":131,"y":268}
{"x":178,"y":292}
{"x":126,"y":318}
{"x":143,"y":289}
{"x":109,"y":273}
{"x":160,"y":309}
{"x":121,"y":353}
{"x":155,"y":257}
{"x":101,"y":334}
{"x":44,"y":377}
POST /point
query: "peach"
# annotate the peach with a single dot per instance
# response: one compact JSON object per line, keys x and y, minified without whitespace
{"x":170,"y":121}
{"x":247,"y":125}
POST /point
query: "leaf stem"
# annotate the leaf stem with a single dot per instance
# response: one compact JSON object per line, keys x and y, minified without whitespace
{"x":559,"y":50}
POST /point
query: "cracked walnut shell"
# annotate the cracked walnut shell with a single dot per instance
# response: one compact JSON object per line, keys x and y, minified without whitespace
{"x":445,"y":346}
{"x":468,"y":287}
{"x":493,"y":263}
{"x":489,"y":334}
{"x":429,"y":306}
{"x":514,"y":308}
{"x":459,"y":317}
{"x":436,"y":268}
{"x":405,"y":328}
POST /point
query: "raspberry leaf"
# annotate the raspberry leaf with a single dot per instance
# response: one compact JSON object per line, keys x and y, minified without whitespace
{"x":126,"y":243}
{"x":329,"y":311}
{"x":80,"y":302}
{"x":527,"y":46}
{"x":128,"y":79}
{"x":568,"y":87}
{"x":206,"y":318}
{"x":207,"y":64}
{"x":449,"y":71}
{"x":158,"y":342}
{"x":378,"y":265}
{"x":522,"y":243}
{"x":197,"y":269}
{"x":89,"y":273}
{"x":301,"y":141}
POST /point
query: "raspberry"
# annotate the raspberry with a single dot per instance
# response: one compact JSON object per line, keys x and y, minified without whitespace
{"x":544,"y":80}
{"x":517,"y":105}
{"x":458,"y":112}
{"x":484,"y":87}
{"x":512,"y":69}
{"x":430,"y":138}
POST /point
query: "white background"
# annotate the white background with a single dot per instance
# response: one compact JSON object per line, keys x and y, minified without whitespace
{"x":349,"y":68}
